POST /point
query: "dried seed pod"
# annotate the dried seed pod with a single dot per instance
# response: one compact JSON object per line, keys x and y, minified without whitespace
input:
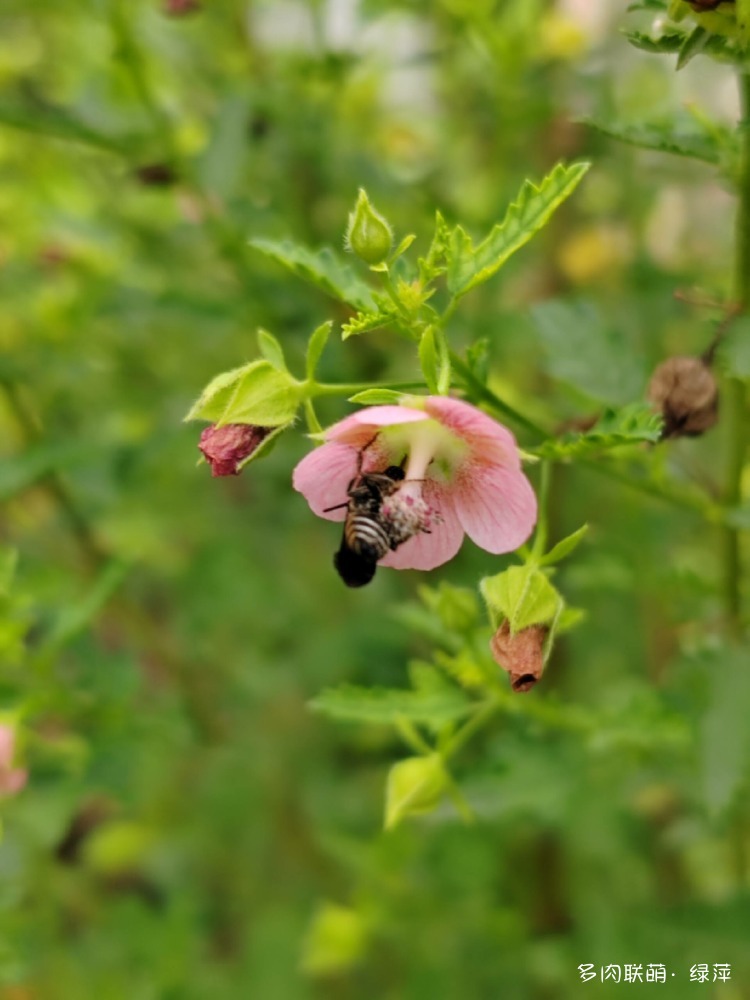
{"x":521,"y":654}
{"x":684,"y":390}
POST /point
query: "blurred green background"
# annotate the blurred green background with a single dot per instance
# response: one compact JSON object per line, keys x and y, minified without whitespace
{"x":190,"y":829}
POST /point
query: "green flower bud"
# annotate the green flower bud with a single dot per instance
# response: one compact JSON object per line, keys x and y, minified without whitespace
{"x":257,"y":394}
{"x":368,"y":233}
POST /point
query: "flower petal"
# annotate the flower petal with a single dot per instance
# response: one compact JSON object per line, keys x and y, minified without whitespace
{"x":487,"y":438}
{"x":426,"y":551}
{"x":496,"y":506}
{"x":360,"y":427}
{"x":323,"y":476}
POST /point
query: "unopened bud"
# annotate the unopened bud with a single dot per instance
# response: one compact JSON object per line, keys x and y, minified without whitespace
{"x":684,"y":390}
{"x":156,"y":175}
{"x":368,"y":233}
{"x":521,"y":654}
{"x":179,"y":8}
{"x":226,"y":447}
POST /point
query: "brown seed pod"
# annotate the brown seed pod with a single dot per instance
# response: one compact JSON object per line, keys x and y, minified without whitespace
{"x":522,"y":654}
{"x":684,"y":390}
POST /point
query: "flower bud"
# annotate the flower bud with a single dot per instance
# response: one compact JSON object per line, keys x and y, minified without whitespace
{"x":684,"y":390}
{"x":226,"y":448}
{"x":156,"y":175}
{"x":368,"y":234}
{"x":179,"y":8}
{"x":521,"y":654}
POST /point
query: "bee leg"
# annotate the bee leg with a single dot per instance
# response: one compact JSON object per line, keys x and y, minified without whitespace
{"x":337,"y":506}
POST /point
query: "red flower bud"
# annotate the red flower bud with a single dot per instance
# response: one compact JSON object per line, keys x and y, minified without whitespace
{"x":522,"y":654}
{"x":226,"y":447}
{"x":178,"y":8}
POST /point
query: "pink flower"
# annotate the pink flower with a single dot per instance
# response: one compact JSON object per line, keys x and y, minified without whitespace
{"x":462,"y":468}
{"x":12,"y":779}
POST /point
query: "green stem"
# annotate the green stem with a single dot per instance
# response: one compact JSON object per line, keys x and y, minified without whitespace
{"x":542,"y":530}
{"x":485,"y":394}
{"x":735,"y":396}
{"x":350,"y":388}
{"x":478,"y":721}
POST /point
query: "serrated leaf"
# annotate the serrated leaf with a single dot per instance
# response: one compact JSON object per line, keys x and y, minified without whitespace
{"x":414,"y":787}
{"x":376,"y":397}
{"x":469,"y":266}
{"x":316,"y":345}
{"x":669,"y":137}
{"x":565,"y":547}
{"x":631,"y":425}
{"x":694,"y":44}
{"x":385,"y":706}
{"x":271,"y":350}
{"x":670,"y":42}
{"x":435,"y":262}
{"x":584,"y":351}
{"x":363,"y":322}
{"x":322,"y":268}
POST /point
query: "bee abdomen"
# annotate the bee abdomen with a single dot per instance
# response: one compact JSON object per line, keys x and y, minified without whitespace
{"x":366,"y":536}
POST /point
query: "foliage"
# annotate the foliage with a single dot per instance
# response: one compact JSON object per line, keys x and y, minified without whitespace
{"x":177,"y":177}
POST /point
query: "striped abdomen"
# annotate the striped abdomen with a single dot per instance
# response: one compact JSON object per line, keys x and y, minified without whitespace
{"x":365,"y":535}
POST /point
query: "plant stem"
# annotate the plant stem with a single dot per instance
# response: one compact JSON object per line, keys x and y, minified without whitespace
{"x":350,"y":388}
{"x":482,"y":392}
{"x":735,"y":398}
{"x":483,"y":714}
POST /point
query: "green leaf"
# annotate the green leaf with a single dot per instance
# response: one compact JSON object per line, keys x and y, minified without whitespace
{"x":271,"y":350}
{"x":680,"y":138}
{"x":403,"y":246}
{"x":583,"y":351}
{"x":316,"y":345}
{"x":376,"y":397}
{"x":428,"y":358}
{"x":436,"y":261}
{"x":256,"y":393}
{"x":363,"y":322}
{"x":670,"y":42}
{"x":470,"y":266}
{"x":335,"y":942}
{"x":563,"y":548}
{"x":434,"y":357}
{"x":523,"y":595}
{"x":59,"y":123}
{"x":322,"y":268}
{"x":631,"y":425}
{"x":386,"y":705}
{"x":694,"y":44}
{"x":415,"y":786}
{"x":74,"y":619}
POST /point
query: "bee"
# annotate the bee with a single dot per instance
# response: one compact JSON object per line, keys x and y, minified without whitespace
{"x":370,"y":531}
